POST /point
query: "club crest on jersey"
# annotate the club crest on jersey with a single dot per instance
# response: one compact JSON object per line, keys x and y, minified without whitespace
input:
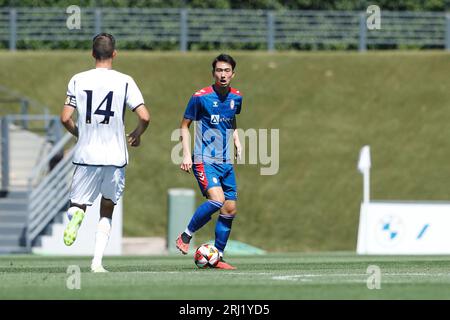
{"x":215,"y":119}
{"x":215,"y":104}
{"x":232,"y":104}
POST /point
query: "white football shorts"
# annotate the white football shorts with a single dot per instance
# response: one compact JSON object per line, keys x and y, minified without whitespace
{"x":90,"y":181}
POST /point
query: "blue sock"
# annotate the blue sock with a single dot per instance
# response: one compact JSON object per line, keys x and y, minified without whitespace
{"x":203,"y":214}
{"x":223,"y":229}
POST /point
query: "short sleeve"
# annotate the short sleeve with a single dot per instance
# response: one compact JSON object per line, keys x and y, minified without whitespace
{"x":133,"y":97}
{"x":70,"y":95}
{"x":193,"y":109}
{"x":238,"y":109}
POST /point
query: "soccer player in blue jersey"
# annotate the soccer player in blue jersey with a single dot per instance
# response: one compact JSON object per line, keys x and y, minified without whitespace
{"x":214,"y":109}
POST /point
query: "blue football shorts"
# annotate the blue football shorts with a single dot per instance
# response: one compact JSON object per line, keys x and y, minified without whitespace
{"x":210,"y":175}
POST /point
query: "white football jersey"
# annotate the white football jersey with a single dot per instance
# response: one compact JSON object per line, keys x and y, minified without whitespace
{"x":100,"y":97}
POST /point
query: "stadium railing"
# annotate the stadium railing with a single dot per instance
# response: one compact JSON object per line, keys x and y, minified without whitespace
{"x":52,"y":133}
{"x":48,"y":189}
{"x":49,"y":180}
{"x":191,"y":28}
{"x":48,"y":183}
{"x":24,"y":113}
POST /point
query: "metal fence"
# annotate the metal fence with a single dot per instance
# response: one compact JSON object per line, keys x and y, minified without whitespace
{"x":271,"y":30}
{"x":49,"y":197}
{"x":50,"y":125}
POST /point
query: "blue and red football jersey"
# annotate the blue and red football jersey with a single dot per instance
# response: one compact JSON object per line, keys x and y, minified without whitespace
{"x":214,"y":129}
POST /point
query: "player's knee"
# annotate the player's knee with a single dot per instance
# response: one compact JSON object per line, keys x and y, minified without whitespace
{"x":108,"y":204}
{"x":229,"y":213}
{"x":230,"y":210}
{"x":218,"y":198}
{"x":106,"y":208}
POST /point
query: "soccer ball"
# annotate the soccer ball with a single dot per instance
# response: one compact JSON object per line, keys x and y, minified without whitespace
{"x":206,"y":256}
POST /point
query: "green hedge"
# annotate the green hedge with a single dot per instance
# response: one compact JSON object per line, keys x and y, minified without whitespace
{"x":173,"y":44}
{"x":411,"y":5}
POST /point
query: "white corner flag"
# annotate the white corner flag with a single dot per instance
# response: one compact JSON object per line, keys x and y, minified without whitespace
{"x":364,"y":159}
{"x":364,"y":168}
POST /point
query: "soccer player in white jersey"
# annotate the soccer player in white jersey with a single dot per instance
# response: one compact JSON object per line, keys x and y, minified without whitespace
{"x":100,"y":96}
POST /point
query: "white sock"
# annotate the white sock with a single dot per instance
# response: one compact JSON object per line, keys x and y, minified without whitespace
{"x":101,"y":240}
{"x":72,"y":211}
{"x":188,"y":232}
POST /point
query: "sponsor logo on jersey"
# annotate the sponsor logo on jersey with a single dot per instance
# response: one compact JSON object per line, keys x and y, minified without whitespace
{"x":232,"y":104}
{"x":215,"y":118}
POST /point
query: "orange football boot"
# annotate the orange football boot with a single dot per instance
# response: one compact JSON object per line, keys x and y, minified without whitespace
{"x":181,"y":245}
{"x":223,"y":265}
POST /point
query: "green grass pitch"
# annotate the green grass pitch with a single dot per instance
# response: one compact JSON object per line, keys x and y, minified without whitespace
{"x":293,"y":276}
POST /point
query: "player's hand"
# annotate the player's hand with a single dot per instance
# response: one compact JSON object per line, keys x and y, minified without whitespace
{"x":186,"y":165}
{"x":134,"y":139}
{"x":238,"y":149}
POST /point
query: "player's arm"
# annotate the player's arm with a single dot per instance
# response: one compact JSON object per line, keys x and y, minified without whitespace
{"x":185,"y":139}
{"x":66,"y":119}
{"x":237,"y":142}
{"x":134,"y":138}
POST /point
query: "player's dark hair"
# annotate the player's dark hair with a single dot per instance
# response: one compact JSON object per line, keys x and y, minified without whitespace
{"x":224,"y":58}
{"x":103,"y":46}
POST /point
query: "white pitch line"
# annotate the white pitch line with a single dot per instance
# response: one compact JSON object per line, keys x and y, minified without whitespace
{"x":196,"y":272}
{"x":417,"y":274}
{"x":366,"y":274}
{"x":305,"y":275}
{"x":310,"y":280}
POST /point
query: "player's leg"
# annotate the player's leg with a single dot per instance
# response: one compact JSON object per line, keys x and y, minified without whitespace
{"x":209,"y":184}
{"x":200,"y":217}
{"x":203,"y":213}
{"x":112,"y":188}
{"x":83,"y":191}
{"x":103,"y":234}
{"x":73,"y":208}
{"x":223,"y":229}
{"x":75,"y":213}
{"x":223,"y":224}
{"x":226,"y":216}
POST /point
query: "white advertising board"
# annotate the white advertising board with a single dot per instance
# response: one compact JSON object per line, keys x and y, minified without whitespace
{"x":404,"y":228}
